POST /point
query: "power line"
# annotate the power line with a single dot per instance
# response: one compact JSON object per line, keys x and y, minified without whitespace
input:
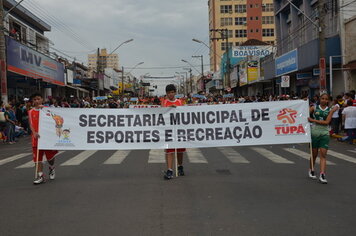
{"x":56,"y":23}
{"x":164,"y":67}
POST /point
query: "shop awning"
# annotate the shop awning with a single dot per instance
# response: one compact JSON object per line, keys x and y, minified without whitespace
{"x":77,"y":88}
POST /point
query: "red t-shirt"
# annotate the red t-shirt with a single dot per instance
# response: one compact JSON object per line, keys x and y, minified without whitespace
{"x":168,"y":103}
{"x":34,"y":117}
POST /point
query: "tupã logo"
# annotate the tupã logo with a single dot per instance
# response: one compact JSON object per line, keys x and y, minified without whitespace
{"x":287,"y":115}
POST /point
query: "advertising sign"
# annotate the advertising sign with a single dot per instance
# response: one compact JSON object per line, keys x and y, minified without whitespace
{"x":28,"y":62}
{"x":322,"y":76}
{"x":287,"y":63}
{"x":257,"y":51}
{"x":234,"y":77}
{"x":243,"y":73}
{"x":245,"y":124}
{"x":253,"y":69}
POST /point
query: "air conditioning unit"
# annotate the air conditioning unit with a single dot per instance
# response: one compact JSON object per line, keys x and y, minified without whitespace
{"x":263,"y":4}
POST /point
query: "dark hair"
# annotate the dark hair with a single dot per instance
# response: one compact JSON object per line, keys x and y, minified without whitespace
{"x":170,"y":87}
{"x":350,"y":102}
{"x":36,"y":95}
{"x":324,"y":95}
{"x":338,"y":97}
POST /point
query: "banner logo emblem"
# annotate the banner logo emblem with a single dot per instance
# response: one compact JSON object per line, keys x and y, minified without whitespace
{"x":287,"y":115}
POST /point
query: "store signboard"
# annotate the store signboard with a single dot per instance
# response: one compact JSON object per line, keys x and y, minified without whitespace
{"x":287,"y":63}
{"x":30,"y":63}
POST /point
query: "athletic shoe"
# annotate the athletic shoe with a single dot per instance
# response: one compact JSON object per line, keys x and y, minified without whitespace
{"x":52,"y":174}
{"x":322,"y":179}
{"x":39,"y":180}
{"x":180,"y":171}
{"x":168,"y":174}
{"x":312,"y":174}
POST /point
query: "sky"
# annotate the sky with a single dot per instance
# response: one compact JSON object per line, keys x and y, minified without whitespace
{"x":162,"y":31}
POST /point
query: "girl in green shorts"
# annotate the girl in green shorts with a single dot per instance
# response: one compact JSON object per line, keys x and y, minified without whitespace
{"x":320,"y":118}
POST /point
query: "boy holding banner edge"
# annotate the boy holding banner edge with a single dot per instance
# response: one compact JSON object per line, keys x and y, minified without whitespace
{"x":33,"y":116}
{"x":171,"y":101}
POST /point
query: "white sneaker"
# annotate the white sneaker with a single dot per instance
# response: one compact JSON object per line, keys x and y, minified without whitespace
{"x":52,"y":174}
{"x":312,"y":174}
{"x":322,"y":179}
{"x":39,"y":180}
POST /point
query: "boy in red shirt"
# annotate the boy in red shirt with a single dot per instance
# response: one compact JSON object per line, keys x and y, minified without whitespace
{"x":33,"y":117}
{"x":171,"y":101}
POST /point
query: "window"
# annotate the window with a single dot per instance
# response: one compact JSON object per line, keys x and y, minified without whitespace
{"x":223,"y":46}
{"x":251,"y":6}
{"x":267,"y":32}
{"x":267,"y":7}
{"x":230,"y":34}
{"x":226,"y":9}
{"x":251,"y":30}
{"x":240,"y":20}
{"x":257,"y":30}
{"x":240,"y":8}
{"x":251,"y":18}
{"x":241,"y":33}
{"x":267,"y":19}
{"x":225,"y":21}
{"x":256,"y":17}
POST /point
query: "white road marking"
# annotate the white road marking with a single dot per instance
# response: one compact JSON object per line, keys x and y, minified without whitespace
{"x":196,"y":156}
{"x":14,"y":158}
{"x":156,"y":156}
{"x":31,"y":164}
{"x":271,"y":156}
{"x":305,"y":155}
{"x":78,"y":159}
{"x":117,"y":157}
{"x":233,"y":155}
{"x":341,"y":156}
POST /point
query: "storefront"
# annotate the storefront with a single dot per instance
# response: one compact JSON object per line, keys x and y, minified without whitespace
{"x":29,"y":71}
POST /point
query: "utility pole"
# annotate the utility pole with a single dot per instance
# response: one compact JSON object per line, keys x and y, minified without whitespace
{"x":122,"y":82}
{"x":98,"y":69}
{"x":3,"y":67}
{"x":224,"y":35}
{"x":322,"y":45}
{"x":190,"y":80}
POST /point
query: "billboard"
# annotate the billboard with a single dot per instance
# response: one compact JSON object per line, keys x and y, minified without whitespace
{"x":253,"y":68}
{"x":287,"y":63}
{"x":256,"y":51}
{"x":243,"y":73}
{"x":28,"y":62}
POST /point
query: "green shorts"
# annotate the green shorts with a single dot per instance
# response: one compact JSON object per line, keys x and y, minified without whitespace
{"x":320,"y":141}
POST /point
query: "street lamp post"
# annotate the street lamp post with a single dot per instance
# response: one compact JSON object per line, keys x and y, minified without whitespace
{"x":185,"y":87}
{"x":100,"y":65}
{"x":122,"y":76}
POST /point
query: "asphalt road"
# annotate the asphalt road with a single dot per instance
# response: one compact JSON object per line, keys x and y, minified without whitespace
{"x":231,"y":191}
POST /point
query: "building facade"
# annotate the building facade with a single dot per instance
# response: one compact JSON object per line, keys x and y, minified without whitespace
{"x":29,"y":63}
{"x":244,"y":20}
{"x":298,"y":48}
{"x":106,"y":60}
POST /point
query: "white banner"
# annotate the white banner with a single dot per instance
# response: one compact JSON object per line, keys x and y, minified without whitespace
{"x":186,"y":126}
{"x":144,"y":106}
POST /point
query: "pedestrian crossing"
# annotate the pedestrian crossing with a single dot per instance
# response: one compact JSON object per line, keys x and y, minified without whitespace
{"x":286,"y":155}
